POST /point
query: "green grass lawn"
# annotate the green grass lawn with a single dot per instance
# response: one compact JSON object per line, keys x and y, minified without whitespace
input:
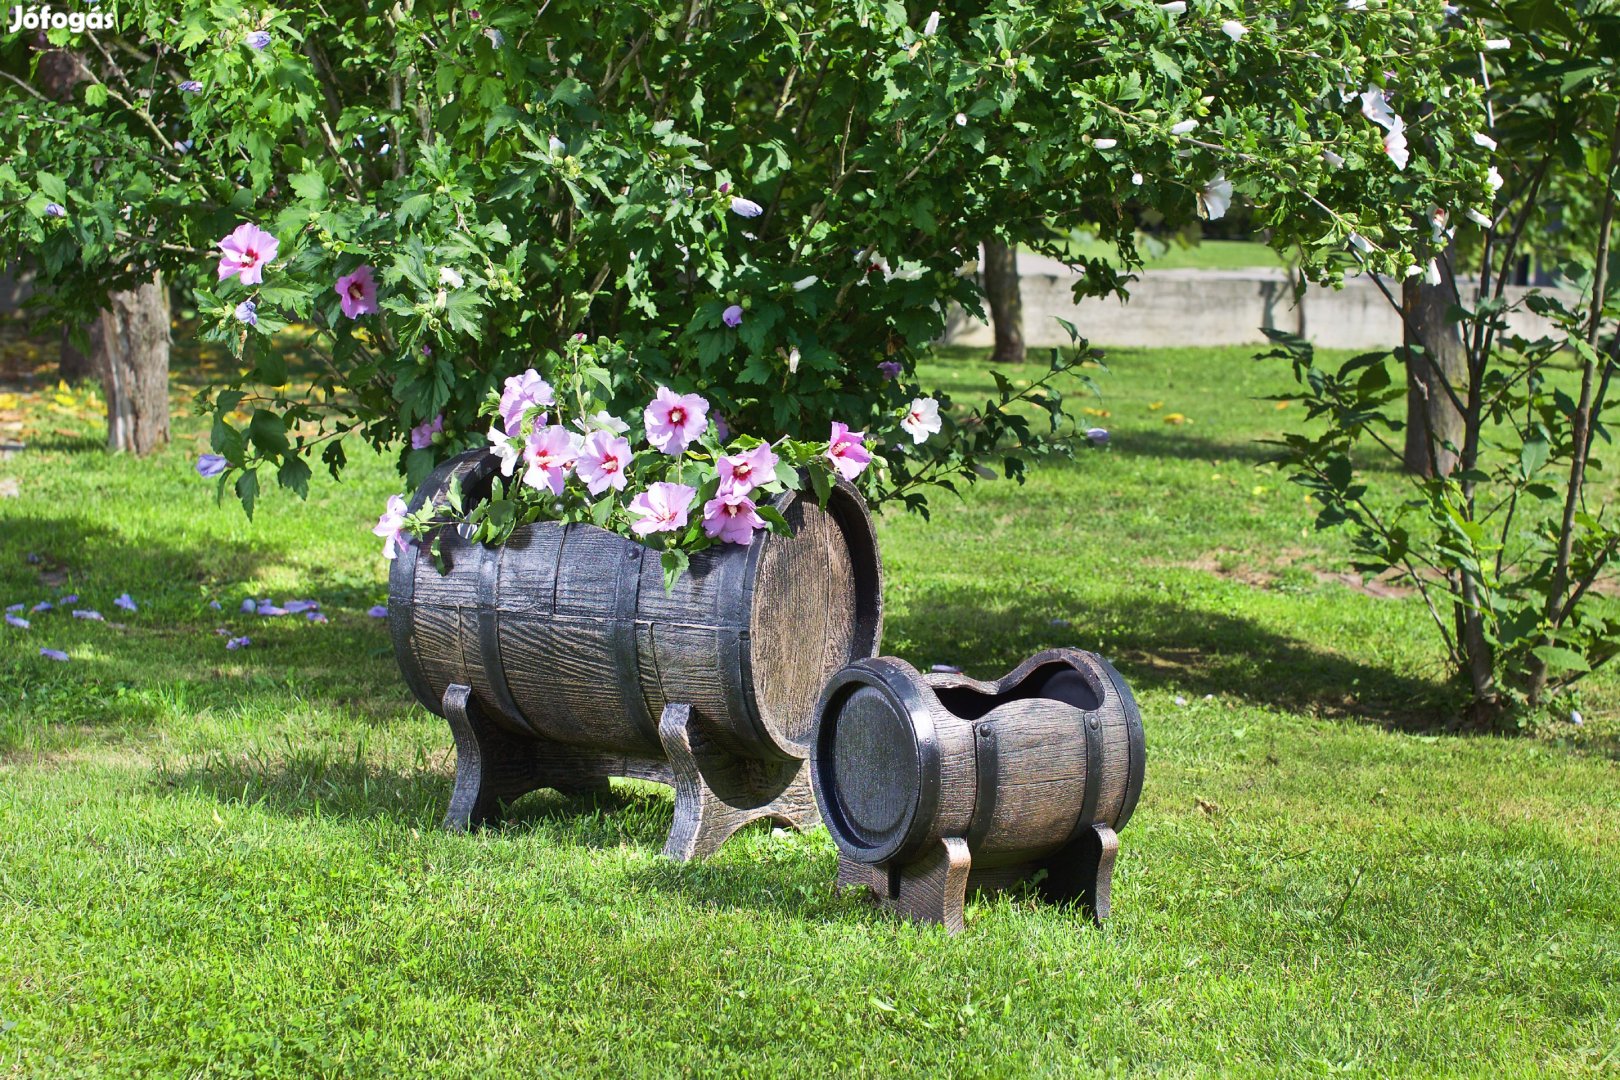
{"x":228,"y":863}
{"x":1172,"y":255}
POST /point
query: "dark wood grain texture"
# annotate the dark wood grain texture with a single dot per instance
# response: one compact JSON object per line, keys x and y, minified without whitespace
{"x":931,"y":888}
{"x":1033,"y":775}
{"x":567,"y":657}
{"x":493,"y":767}
{"x":717,"y":792}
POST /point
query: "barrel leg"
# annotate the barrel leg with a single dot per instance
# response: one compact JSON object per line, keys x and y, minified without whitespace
{"x":930,"y":889}
{"x":494,"y":767}
{"x":1083,"y":871}
{"x":717,"y":793}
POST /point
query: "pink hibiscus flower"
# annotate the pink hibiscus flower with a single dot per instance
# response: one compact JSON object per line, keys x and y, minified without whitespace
{"x":741,"y":473}
{"x":246,"y":251}
{"x":422,"y":434}
{"x":602,"y":461}
{"x":391,"y":527}
{"x":847,"y":451}
{"x":357,"y":292}
{"x":661,"y":508}
{"x":550,"y":454}
{"x":521,"y":393}
{"x":731,"y":518}
{"x":674,"y":420}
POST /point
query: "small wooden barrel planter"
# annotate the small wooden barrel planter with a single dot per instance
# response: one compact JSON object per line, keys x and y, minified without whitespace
{"x":559,"y":660}
{"x":934,"y":784}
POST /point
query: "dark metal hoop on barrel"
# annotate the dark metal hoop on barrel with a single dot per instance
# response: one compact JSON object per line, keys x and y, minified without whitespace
{"x":934,"y":784}
{"x":559,"y":660}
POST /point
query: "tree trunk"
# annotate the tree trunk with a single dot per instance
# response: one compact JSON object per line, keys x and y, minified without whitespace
{"x":1006,"y":304}
{"x":1434,"y":425}
{"x":134,"y":366}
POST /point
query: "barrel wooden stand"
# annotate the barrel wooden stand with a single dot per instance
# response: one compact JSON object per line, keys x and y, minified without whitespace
{"x":937,"y":785}
{"x":715,"y":793}
{"x":551,"y":656}
{"x":934,"y":887}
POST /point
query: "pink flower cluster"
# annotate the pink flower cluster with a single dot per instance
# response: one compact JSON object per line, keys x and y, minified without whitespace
{"x":602,"y":458}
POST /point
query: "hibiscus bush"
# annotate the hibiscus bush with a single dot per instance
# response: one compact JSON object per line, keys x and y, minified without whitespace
{"x":767,"y":205}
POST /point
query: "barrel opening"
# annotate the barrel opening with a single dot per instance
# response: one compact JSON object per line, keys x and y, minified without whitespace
{"x":875,"y":763}
{"x":1057,"y":681}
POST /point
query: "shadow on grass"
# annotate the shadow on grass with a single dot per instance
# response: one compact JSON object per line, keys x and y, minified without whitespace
{"x":317,"y":782}
{"x":131,"y":670}
{"x":770,"y":876}
{"x":773,"y":876}
{"x":79,"y":551}
{"x":1162,"y":645}
{"x":1176,"y":444}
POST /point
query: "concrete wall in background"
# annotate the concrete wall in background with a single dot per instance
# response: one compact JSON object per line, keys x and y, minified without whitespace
{"x":1204,"y":307}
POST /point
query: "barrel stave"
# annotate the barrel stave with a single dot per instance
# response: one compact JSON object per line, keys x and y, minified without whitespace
{"x":1031,"y":783}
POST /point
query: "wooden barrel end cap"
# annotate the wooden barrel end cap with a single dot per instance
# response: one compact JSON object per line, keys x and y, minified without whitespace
{"x":875,"y":760}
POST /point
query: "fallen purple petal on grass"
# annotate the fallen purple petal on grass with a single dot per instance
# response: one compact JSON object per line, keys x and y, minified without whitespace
{"x":94,"y":616}
{"x":16,"y":620}
{"x":249,"y":606}
{"x":214,"y":604}
{"x":221,"y":631}
{"x":43,"y":605}
{"x":238,"y":643}
{"x":298,"y":607}
{"x":16,"y":607}
{"x":315,"y":616}
{"x":378,"y":611}
{"x":33,"y":558}
{"x":267,"y":608}
{"x":125,"y":602}
{"x":53,"y":654}
{"x":70,"y":598}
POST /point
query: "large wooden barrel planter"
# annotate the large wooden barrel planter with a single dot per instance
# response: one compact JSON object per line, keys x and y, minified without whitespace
{"x":559,"y":660}
{"x":932,"y":785}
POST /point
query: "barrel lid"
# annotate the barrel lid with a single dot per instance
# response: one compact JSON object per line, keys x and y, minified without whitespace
{"x":874,"y":760}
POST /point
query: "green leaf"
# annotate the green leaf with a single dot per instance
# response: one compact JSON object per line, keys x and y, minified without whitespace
{"x":1560,"y":659}
{"x":569,"y":91}
{"x":778,"y":523}
{"x":95,"y":95}
{"x":268,"y":433}
{"x":294,"y":476}
{"x":247,"y":489}
{"x":821,"y":483}
{"x":309,"y":186}
{"x":1165,"y":65}
{"x":675,"y":563}
{"x":51,"y":186}
{"x":1533,"y":455}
